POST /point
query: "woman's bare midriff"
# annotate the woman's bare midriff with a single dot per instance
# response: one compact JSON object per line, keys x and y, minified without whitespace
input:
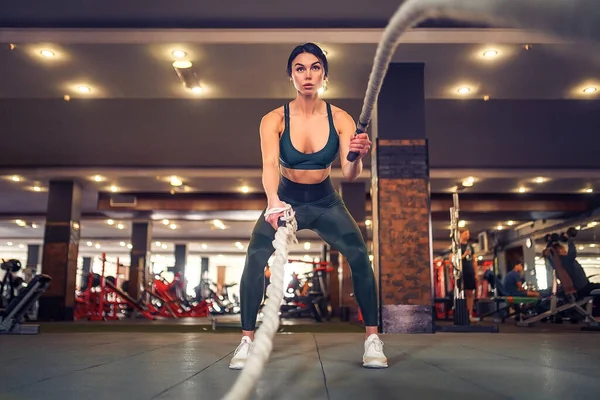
{"x":307,"y":177}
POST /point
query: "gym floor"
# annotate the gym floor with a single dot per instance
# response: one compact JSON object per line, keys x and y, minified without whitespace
{"x":553,"y":362}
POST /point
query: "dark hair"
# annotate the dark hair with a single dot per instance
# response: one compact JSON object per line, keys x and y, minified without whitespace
{"x":307,"y":48}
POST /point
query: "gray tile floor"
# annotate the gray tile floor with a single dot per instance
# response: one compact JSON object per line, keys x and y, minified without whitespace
{"x":126,"y":365}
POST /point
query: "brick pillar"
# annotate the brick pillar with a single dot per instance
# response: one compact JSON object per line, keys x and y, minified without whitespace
{"x":61,"y":246}
{"x":141,"y":237}
{"x":401,"y":203}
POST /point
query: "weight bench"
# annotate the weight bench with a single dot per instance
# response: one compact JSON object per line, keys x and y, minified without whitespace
{"x":571,"y":301}
{"x":510,"y":301}
{"x":12,"y":317}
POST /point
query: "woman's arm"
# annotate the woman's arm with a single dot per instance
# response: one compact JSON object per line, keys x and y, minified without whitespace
{"x":348,"y":142}
{"x":269,"y":144}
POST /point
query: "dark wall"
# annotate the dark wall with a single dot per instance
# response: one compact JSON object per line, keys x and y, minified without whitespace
{"x":224,"y":133}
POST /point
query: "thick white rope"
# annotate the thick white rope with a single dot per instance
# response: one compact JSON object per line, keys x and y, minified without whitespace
{"x":570,"y":19}
{"x":263,"y":339}
{"x":573,"y":19}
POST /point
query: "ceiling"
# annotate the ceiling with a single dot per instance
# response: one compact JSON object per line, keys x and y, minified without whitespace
{"x":243,"y":71}
{"x":134,"y":63}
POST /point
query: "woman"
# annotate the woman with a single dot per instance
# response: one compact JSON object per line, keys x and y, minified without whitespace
{"x":299,"y":142}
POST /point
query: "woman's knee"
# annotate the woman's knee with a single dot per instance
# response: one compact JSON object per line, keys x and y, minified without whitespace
{"x":260,"y":249}
{"x":354,"y":249}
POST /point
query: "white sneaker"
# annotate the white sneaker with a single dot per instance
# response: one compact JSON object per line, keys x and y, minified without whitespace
{"x":241,"y":353}
{"x":374,"y":357}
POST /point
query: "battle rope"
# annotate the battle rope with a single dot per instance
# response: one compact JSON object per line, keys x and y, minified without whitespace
{"x":573,"y":19}
{"x":263,"y":339}
{"x":576,"y":19}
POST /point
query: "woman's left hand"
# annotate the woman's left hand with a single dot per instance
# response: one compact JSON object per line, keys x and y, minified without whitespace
{"x":360,"y":144}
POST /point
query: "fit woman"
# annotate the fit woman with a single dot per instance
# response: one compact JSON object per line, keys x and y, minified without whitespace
{"x":299,"y":142}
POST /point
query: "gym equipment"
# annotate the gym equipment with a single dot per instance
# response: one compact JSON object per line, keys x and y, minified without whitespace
{"x":11,"y":284}
{"x":521,"y":304}
{"x":461,"y":315}
{"x":12,"y":317}
{"x":571,"y":302}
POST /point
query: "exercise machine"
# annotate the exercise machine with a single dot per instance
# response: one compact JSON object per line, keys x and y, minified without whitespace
{"x":12,"y":317}
{"x":461,"y":315}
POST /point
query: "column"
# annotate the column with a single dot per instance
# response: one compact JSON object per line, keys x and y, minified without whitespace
{"x":529,"y":265}
{"x":60,"y":250}
{"x":86,"y":269}
{"x":401,"y":203}
{"x":34,"y":257}
{"x":180,"y":258}
{"x":355,"y":197}
{"x":141,"y":236}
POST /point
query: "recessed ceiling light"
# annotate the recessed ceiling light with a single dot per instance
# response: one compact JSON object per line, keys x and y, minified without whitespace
{"x":182,"y":64}
{"x":307,"y":245}
{"x":522,"y":189}
{"x":490,"y":53}
{"x":83,"y":89}
{"x":463,"y":90}
{"x":122,"y":244}
{"x":165,"y":222}
{"x":113,"y":188}
{"x":164,"y":246}
{"x":179,"y":54}
{"x":462,"y":224}
{"x":173,"y":226}
{"x":486,"y":97}
{"x":510,"y":223}
{"x":589,"y":190}
{"x":15,"y":178}
{"x":245,"y":189}
{"x":47,"y":53}
{"x":130,"y":246}
{"x":197,"y":89}
{"x":590,"y":90}
{"x":539,"y":179}
{"x":98,"y":178}
{"x":121,"y":226}
{"x":175,"y":181}
{"x":499,"y":227}
{"x":110,"y":222}
{"x":204,"y":246}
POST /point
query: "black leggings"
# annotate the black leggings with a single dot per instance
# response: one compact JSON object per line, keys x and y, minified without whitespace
{"x":318,"y":207}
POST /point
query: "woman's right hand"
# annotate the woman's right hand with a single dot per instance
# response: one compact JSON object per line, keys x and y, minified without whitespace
{"x":273,"y":218}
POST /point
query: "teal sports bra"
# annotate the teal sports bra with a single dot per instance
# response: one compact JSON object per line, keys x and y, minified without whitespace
{"x":290,"y":157}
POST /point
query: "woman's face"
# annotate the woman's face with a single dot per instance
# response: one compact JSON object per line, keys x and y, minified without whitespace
{"x":307,"y":73}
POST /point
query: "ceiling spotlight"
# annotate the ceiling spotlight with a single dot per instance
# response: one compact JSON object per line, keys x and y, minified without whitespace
{"x":113,"y":188}
{"x":186,"y":75}
{"x":589,"y":90}
{"x":219,"y":224}
{"x":510,"y":223}
{"x":490,"y":53}
{"x":204,"y":246}
{"x":110,"y":222}
{"x":120,"y":226}
{"x":97,"y":245}
{"x":47,"y":53}
{"x":20,"y":222}
{"x":164,"y":246}
{"x":130,"y":246}
{"x":589,"y":190}
{"x":499,"y":227}
{"x":463,"y":90}
{"x":245,"y":189}
{"x":197,"y":89}
{"x":15,"y":178}
{"x":462,"y":224}
{"x":98,"y":178}
{"x":307,"y":245}
{"x":83,"y":89}
{"x":539,"y":179}
{"x":165,"y":222}
{"x":158,"y":244}
{"x":182,"y":64}
{"x":486,"y":97}
{"x":37,"y":188}
{"x":66,"y":97}
{"x":122,"y":244}
{"x":522,"y":190}
{"x":173,"y":226}
{"x":239,"y":245}
{"x":178,"y":53}
{"x":89,"y":244}
{"x":175,"y":181}
{"x":33,"y":225}
{"x":368,"y":222}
